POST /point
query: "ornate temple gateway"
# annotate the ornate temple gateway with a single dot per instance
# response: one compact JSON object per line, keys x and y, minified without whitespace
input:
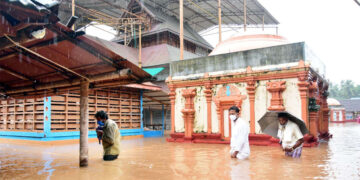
{"x":285,"y":77}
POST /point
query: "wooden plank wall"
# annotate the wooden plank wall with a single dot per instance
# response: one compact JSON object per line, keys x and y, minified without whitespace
{"x":23,"y":114}
{"x":122,"y":106}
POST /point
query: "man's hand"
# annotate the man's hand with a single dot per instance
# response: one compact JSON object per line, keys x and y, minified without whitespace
{"x":288,"y":149}
{"x":234,"y":154}
{"x":99,"y":132}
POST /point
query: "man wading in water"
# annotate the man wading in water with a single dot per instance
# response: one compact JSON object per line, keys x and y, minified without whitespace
{"x":239,"y":135}
{"x":110,"y":136}
{"x":291,"y":138}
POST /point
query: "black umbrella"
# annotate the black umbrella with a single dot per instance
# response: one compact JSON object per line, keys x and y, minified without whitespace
{"x":269,"y":123}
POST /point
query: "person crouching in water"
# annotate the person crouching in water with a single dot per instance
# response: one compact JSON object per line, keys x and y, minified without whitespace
{"x":291,"y":138}
{"x":239,"y":142}
{"x":110,"y":136}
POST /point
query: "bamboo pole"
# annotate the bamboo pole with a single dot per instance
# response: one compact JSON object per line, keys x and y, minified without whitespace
{"x":84,"y":123}
{"x":140,"y":46}
{"x":219,"y":11}
{"x":73,"y":12}
{"x":181,"y":29}
{"x":125,"y":35}
{"x":244,"y":15}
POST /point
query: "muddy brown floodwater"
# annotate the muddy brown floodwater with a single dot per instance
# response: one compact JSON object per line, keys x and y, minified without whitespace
{"x":154,"y":158}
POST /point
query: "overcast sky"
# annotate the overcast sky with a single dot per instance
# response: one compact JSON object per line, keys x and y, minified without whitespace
{"x":331,"y":28}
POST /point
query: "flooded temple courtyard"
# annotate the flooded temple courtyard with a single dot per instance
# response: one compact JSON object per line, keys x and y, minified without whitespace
{"x":154,"y":158}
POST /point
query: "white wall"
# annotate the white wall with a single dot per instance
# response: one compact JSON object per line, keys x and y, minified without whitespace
{"x":179,"y":105}
{"x":200,"y":121}
{"x":291,"y":97}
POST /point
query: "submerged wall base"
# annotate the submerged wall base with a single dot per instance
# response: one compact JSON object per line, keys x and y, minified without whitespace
{"x":54,"y":136}
{"x":254,"y":139}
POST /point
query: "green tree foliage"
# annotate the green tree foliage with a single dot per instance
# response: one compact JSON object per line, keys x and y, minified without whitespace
{"x":345,"y":90}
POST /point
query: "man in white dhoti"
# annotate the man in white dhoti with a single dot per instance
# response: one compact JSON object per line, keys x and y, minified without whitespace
{"x":291,"y":138}
{"x":239,"y":143}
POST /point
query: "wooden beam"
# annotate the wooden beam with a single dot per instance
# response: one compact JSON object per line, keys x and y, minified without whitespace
{"x":219,"y":13}
{"x":74,"y":69}
{"x":263,"y":21}
{"x":140,"y":46}
{"x":16,"y":74}
{"x":244,"y":15}
{"x":84,"y":123}
{"x":73,"y":12}
{"x":155,"y":100}
{"x":181,"y":29}
{"x":125,"y":36}
{"x":64,"y":83}
{"x":45,"y":59}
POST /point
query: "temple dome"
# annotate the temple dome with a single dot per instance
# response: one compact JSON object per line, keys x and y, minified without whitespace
{"x":333,"y":102}
{"x":247,"y":42}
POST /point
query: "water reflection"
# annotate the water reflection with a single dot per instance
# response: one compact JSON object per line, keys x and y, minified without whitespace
{"x":157,"y":159}
{"x":47,"y":165}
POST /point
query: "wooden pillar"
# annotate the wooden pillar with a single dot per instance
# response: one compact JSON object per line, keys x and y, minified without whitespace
{"x":219,"y":13}
{"x":73,"y":12}
{"x":208,"y":95}
{"x":181,"y":29}
{"x":6,"y":114}
{"x":251,"y":92}
{"x":142,"y":119}
{"x":162,"y":119}
{"x":151,"y":116}
{"x":140,"y":45}
{"x":244,"y":15}
{"x":125,"y":34}
{"x":84,"y":116}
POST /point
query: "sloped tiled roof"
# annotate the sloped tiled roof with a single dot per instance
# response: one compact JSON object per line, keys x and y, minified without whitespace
{"x":129,"y":53}
{"x":351,"y":105}
{"x":150,"y":56}
{"x":162,"y":54}
{"x":171,"y":23}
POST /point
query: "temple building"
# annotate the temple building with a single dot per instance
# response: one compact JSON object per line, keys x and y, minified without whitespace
{"x":337,"y":111}
{"x":270,"y":75}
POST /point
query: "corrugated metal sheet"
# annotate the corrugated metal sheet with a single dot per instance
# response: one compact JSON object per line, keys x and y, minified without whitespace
{"x":39,"y":5}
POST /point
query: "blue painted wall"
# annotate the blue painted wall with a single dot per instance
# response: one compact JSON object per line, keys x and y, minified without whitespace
{"x":153,"y":134}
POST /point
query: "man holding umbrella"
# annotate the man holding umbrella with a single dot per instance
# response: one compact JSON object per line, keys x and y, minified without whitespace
{"x":290,"y":135}
{"x":288,"y":128}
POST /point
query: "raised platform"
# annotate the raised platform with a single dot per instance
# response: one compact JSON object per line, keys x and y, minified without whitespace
{"x":254,"y":139}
